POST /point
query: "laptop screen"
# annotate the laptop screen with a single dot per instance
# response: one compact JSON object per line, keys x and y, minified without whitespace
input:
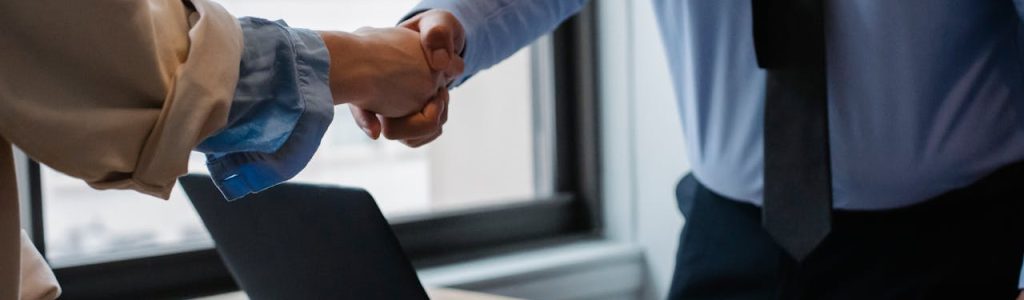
{"x":302,"y":241}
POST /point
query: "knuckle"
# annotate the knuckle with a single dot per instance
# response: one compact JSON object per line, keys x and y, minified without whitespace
{"x":448,"y":16}
{"x":440,"y":28}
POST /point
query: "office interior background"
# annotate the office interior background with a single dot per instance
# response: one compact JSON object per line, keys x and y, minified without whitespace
{"x":572,"y":146}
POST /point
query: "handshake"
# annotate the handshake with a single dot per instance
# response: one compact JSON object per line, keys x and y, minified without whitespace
{"x":396,"y":80}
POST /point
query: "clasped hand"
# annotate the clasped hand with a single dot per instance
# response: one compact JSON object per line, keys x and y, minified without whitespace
{"x":396,"y":80}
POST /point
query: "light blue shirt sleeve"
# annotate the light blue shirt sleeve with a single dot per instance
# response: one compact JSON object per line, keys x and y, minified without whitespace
{"x":496,"y":29}
{"x":281,"y":109}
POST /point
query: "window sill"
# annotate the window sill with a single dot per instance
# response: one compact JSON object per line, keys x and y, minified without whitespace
{"x":582,"y":270}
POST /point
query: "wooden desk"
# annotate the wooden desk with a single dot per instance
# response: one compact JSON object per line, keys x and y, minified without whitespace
{"x":434,"y":293}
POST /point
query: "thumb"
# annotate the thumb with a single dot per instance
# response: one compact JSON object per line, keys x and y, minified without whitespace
{"x":367,"y":121}
{"x":438,"y":40}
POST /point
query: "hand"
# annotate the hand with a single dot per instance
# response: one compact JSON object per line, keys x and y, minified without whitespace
{"x":413,"y":130}
{"x":443,"y":39}
{"x":381,"y":70}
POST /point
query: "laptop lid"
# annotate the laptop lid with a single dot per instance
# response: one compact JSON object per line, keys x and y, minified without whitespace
{"x":303,"y":241}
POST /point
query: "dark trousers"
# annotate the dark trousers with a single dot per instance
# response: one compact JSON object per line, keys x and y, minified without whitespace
{"x":965,"y":244}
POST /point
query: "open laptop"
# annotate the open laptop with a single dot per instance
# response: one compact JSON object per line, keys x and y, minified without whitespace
{"x":301,"y":241}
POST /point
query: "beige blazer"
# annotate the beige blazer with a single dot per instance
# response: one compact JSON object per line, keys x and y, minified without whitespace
{"x":115,"y":92}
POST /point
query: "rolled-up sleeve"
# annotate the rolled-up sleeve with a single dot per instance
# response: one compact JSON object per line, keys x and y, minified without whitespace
{"x":281,"y":108}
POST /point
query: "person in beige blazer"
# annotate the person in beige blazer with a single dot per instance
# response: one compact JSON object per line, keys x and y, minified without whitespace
{"x":118,"y":93}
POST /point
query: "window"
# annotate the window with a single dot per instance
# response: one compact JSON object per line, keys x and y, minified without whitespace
{"x":509,"y":150}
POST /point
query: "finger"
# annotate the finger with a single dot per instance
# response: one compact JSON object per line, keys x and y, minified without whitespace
{"x":417,"y":125}
{"x":455,"y":69}
{"x":417,"y":142}
{"x":458,"y":33}
{"x":367,"y":121}
{"x":438,"y":41}
{"x":444,"y":112}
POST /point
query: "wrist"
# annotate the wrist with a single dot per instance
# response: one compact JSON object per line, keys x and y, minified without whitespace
{"x":347,"y":52}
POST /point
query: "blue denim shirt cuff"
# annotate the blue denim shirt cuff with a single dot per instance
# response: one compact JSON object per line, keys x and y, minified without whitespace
{"x":281,"y":110}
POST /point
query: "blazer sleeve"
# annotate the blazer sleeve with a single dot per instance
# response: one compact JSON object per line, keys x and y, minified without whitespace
{"x":114,"y":92}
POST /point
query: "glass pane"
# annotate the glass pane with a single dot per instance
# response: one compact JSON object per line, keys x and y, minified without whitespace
{"x":83,"y":225}
{"x":485,"y":157}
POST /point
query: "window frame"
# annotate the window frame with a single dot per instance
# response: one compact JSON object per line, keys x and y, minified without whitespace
{"x":572,"y":213}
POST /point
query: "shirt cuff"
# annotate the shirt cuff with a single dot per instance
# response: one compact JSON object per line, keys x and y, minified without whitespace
{"x":281,"y":110}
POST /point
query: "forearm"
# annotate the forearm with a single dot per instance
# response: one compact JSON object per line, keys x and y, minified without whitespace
{"x":344,"y":66}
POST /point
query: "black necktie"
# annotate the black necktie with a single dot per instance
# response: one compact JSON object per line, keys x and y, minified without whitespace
{"x":789,"y":38}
